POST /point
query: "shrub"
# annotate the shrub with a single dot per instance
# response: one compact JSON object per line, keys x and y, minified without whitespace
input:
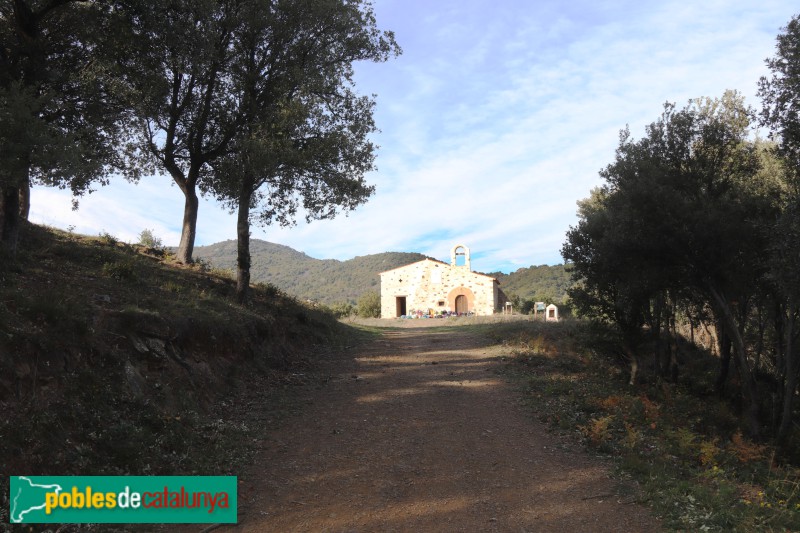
{"x":369,"y":305}
{"x":148,"y":239}
{"x":203,"y":264}
{"x":107,"y":238}
{"x":342,"y":309}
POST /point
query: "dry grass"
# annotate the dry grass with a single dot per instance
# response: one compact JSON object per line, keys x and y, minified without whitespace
{"x":681,"y":445}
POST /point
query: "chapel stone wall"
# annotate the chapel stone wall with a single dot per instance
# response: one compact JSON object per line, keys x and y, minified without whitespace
{"x":432,"y":285}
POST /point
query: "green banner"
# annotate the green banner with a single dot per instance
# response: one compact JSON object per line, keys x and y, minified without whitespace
{"x":122,"y":499}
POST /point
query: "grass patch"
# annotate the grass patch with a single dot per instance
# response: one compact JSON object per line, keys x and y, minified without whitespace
{"x":679,"y":443}
{"x":115,"y":360}
{"x":120,"y":270}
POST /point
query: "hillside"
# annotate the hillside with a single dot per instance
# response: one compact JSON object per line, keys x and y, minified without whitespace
{"x":327,"y":281}
{"x":330,"y":281}
{"x":115,"y":360}
{"x":543,"y":282}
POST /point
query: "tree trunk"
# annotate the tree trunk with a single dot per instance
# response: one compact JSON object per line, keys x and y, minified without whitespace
{"x":189,"y":228}
{"x":25,"y":199}
{"x":243,"y":246}
{"x":9,"y":218}
{"x":673,"y":349}
{"x":724,"y":347}
{"x":752,"y":409}
{"x":762,"y":326}
{"x":633,"y":360}
{"x":790,"y":379}
{"x":655,"y":331}
{"x":674,"y":367}
{"x":630,"y":342}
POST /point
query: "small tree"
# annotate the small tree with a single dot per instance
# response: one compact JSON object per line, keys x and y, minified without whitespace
{"x":147,"y":238}
{"x":369,"y":305}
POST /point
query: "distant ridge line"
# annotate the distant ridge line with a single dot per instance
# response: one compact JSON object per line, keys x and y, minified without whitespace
{"x":333,"y":281}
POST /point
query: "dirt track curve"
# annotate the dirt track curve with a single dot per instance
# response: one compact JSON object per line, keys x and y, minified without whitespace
{"x":418,"y":433}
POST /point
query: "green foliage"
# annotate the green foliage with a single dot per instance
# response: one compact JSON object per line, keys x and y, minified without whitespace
{"x":683,"y":188}
{"x":342,"y":309}
{"x":59,"y":122}
{"x":268,"y":119}
{"x":108,"y":239}
{"x":369,"y":305}
{"x":147,"y":238}
{"x":203,"y":264}
{"x":541,"y":283}
{"x":270,"y":291}
{"x":780,"y":95}
{"x":301,"y":140}
{"x":686,"y":221}
{"x":183,"y":135}
{"x":781,"y":100}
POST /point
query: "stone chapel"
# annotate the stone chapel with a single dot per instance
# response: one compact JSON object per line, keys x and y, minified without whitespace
{"x":431,"y":286}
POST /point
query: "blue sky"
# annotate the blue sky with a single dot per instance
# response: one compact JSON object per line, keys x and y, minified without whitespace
{"x":494,"y":122}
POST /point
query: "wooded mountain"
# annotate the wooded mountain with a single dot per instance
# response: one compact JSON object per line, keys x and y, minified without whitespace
{"x":330,"y":281}
{"x":326,"y":281}
{"x":543,"y":282}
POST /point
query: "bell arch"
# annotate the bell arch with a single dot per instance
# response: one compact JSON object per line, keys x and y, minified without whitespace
{"x":460,"y":251}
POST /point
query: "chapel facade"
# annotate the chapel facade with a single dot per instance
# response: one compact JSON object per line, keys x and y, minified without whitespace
{"x":434,"y":287}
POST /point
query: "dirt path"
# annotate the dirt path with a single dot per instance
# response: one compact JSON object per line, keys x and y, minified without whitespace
{"x":418,"y":433}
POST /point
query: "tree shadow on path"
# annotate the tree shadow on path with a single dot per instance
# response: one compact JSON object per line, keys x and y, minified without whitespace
{"x":417,"y":432}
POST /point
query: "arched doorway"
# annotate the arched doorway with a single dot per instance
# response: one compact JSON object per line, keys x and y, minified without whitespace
{"x":462,"y":307}
{"x":461,"y":300}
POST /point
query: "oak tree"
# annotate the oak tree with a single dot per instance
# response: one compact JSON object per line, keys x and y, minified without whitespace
{"x":780,"y":95}
{"x":678,"y":218}
{"x":179,"y":79}
{"x":59,"y":123}
{"x":302,"y":143}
